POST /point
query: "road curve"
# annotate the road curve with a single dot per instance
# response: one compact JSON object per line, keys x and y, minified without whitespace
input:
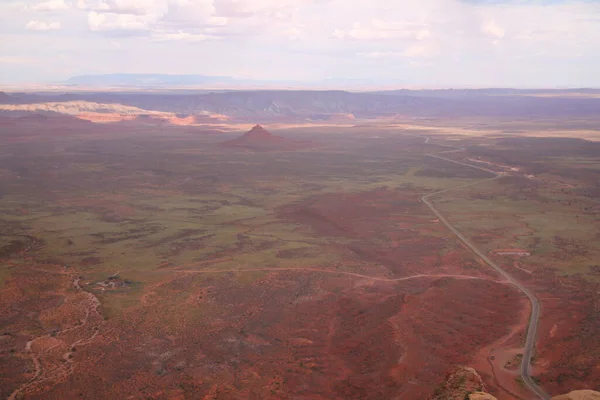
{"x":535,"y":305}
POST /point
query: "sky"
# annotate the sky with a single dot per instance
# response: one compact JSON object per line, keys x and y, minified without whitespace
{"x":402,"y":43}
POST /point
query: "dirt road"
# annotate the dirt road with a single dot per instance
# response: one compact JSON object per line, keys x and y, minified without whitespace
{"x":334,"y":272}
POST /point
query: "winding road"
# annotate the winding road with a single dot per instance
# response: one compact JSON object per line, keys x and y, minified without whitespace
{"x":535,"y":305}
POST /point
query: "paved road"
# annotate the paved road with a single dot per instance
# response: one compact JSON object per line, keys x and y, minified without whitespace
{"x":535,"y":305}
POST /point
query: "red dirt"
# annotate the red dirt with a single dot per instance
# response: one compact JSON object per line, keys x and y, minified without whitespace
{"x":295,"y":333}
{"x":385,"y":227}
{"x":46,"y":319}
{"x":498,"y":363}
{"x":568,"y":335}
{"x":286,"y":335}
{"x":512,"y":250}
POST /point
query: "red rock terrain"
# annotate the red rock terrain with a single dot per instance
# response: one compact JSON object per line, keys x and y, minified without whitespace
{"x":390,"y":331}
{"x":403,"y":305}
{"x":462,"y":383}
{"x":568,"y":341}
{"x":287,"y":335}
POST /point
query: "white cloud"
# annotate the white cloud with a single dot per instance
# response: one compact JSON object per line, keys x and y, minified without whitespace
{"x":42,"y":26}
{"x":50,"y":5}
{"x":268,"y":19}
{"x":120,"y":22}
{"x":293,"y":33}
{"x":135,"y":7}
{"x":381,"y":54}
{"x":455,"y":36}
{"x":218,"y":21}
{"x":492,"y":29}
{"x":192,"y":13}
{"x":359,"y":32}
{"x":378,"y":29}
{"x":568,"y":29}
{"x":202,"y":18}
{"x":418,"y":50}
{"x":12,"y":60}
{"x":181,"y":37}
{"x":423,"y":34}
{"x":274,"y":9}
{"x":413,"y":51}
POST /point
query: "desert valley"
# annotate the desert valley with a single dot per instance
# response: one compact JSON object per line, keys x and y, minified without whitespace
{"x":299,"y":245}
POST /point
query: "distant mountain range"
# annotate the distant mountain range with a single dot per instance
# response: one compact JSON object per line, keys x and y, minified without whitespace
{"x":149,"y":80}
{"x":270,"y":105}
{"x":196,"y":83}
{"x":175,"y":81}
{"x":458,"y":93}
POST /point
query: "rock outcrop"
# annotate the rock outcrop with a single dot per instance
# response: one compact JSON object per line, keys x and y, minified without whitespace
{"x":258,"y":138}
{"x":462,"y":383}
{"x":481,"y":396}
{"x":258,"y":133}
{"x":465,"y":383}
{"x":579,"y":395}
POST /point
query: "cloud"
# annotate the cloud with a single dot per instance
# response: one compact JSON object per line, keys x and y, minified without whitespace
{"x":460,"y":39}
{"x":413,"y":51}
{"x":42,"y":26}
{"x":119,"y":22}
{"x":273,"y":9}
{"x":183,"y":20}
{"x":127,"y":7}
{"x":423,"y":34}
{"x":492,"y":29}
{"x":181,"y":37}
{"x":270,"y":20}
{"x":12,"y":60}
{"x":210,"y":19}
{"x":218,"y":21}
{"x":418,"y":50}
{"x":134,"y":7}
{"x":190,"y":13}
{"x":381,"y":54}
{"x":293,"y":33}
{"x":359,"y":32}
{"x":378,"y":29}
{"x":50,"y":5}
